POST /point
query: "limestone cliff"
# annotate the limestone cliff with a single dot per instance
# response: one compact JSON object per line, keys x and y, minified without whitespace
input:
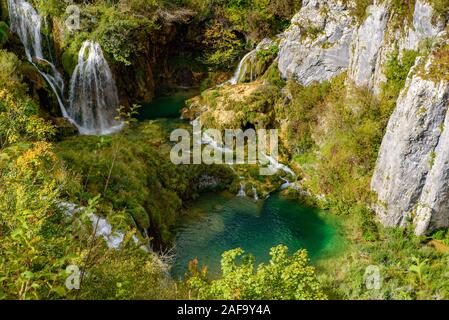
{"x":316,"y":47}
{"x":412,"y":170}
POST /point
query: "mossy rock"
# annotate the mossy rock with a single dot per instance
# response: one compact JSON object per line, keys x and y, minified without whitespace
{"x":4,"y":14}
{"x":4,"y":32}
{"x":69,"y":60}
{"x":64,"y":128}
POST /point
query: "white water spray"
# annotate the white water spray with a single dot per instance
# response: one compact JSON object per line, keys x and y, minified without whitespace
{"x":245,"y":67}
{"x":93,"y":99}
{"x":255,"y":195}
{"x":248,"y":69}
{"x":93,"y":94}
{"x":242,"y":192}
{"x":27,"y":24}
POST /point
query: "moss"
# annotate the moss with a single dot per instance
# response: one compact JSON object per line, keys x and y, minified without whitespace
{"x":131,"y":172}
{"x":439,"y":66}
{"x":69,"y":60}
{"x":433,"y":156}
{"x":4,"y":30}
{"x":440,"y":8}
{"x":396,"y":71}
{"x":359,"y":10}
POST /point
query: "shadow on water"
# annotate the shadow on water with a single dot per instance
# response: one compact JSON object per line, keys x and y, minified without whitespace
{"x":223,"y":222}
{"x":166,"y":106}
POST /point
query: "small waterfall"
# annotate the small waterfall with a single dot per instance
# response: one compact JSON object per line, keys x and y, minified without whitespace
{"x":251,"y":66}
{"x":27,"y":24}
{"x":102,"y":227}
{"x":276,"y":165}
{"x":246,"y":68}
{"x":93,"y":99}
{"x":255,"y":195}
{"x":242,"y":192}
{"x":287,"y":184}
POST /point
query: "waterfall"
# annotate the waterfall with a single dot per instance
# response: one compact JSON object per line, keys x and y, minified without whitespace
{"x":103,"y":228}
{"x":246,"y":65}
{"x":287,"y":184}
{"x":27,"y":24}
{"x":93,"y":99}
{"x":242,"y":192}
{"x":275,"y":165}
{"x":255,"y":195}
{"x":93,"y":94}
{"x":251,"y":66}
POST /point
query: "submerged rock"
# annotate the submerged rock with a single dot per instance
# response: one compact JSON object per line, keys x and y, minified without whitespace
{"x":316,"y":47}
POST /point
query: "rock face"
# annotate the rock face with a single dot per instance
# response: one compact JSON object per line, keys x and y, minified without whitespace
{"x":367,"y":44}
{"x":413,"y":165}
{"x":412,"y":172}
{"x":317,"y":45}
{"x":423,"y":26}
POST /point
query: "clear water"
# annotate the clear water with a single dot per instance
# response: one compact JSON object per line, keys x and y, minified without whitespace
{"x":224,"y":222}
{"x":166,"y":106}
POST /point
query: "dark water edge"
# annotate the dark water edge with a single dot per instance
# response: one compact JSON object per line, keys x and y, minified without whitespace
{"x":167,"y":105}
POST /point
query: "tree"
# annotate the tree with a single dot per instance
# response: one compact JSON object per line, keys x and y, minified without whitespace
{"x":285,"y":277}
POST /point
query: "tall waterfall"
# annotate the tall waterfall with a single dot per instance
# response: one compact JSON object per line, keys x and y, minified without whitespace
{"x":93,"y":99}
{"x":27,"y":24}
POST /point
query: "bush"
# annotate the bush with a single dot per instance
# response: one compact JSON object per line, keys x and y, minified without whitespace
{"x":283,"y":278}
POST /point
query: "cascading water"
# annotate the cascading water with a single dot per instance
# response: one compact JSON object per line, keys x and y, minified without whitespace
{"x":251,"y":66}
{"x":93,"y":94}
{"x":255,"y":195}
{"x":242,"y":192}
{"x":27,"y":24}
{"x":93,"y":99}
{"x":246,"y":68}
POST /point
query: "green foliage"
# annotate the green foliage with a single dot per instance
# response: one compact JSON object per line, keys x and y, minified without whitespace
{"x":302,"y":113}
{"x":132,"y":173}
{"x":409,"y":269}
{"x":396,"y":72}
{"x":440,"y":7}
{"x":223,"y":47}
{"x":402,"y":10}
{"x":18,"y":114}
{"x":4,"y":29}
{"x":123,"y":38}
{"x":439,"y":69}
{"x":360,"y":8}
{"x":283,"y":278}
{"x":256,"y":18}
{"x":30,"y":265}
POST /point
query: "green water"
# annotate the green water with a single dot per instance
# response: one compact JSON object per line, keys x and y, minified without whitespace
{"x":166,"y":106}
{"x":219,"y":222}
{"x":225,"y":222}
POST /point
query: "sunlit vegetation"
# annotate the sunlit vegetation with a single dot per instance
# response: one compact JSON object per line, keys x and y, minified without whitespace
{"x":330,"y":134}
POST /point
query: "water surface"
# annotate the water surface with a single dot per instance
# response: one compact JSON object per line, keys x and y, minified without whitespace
{"x":224,"y":222}
{"x":166,"y":106}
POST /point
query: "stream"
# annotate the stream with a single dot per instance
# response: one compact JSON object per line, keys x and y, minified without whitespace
{"x":219,"y":222}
